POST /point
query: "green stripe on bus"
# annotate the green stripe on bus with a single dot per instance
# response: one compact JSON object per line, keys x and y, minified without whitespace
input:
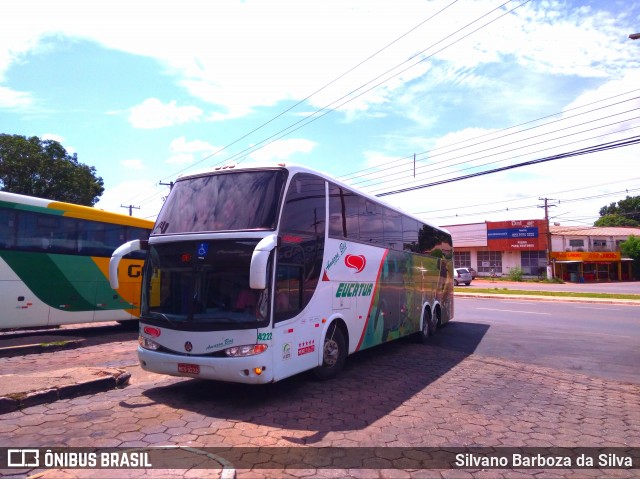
{"x":33,"y":209}
{"x":68,"y":283}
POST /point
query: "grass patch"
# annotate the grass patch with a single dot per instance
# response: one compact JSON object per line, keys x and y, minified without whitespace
{"x":56,"y":343}
{"x":566,"y":294}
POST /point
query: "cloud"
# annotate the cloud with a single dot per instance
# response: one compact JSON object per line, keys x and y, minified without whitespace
{"x":60,"y":139}
{"x":152,"y":113}
{"x":12,"y":99}
{"x":133,"y":164}
{"x":181,"y":159}
{"x":181,"y":145}
{"x":52,"y":136}
{"x":240,"y":55}
{"x":282,"y":149}
{"x":127,"y":193}
{"x":184,"y":152}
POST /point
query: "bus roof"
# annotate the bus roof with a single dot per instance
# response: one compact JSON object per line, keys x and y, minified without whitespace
{"x":71,"y":210}
{"x":294,"y":168}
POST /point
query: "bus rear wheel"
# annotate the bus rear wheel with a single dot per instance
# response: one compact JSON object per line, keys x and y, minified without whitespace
{"x":427,"y":327}
{"x":334,"y":353}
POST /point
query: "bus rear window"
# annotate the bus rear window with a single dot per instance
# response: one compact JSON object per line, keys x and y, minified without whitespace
{"x":229,"y":201}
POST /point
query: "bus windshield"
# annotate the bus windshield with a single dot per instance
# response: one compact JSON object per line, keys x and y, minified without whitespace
{"x":229,"y":201}
{"x":202,"y":285}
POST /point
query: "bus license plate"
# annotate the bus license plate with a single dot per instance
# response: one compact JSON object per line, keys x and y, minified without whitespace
{"x":188,"y":368}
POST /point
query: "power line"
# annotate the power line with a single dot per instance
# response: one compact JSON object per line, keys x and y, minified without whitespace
{"x":589,"y":187}
{"x":329,"y":108}
{"x":386,"y":175}
{"x":367,"y":91}
{"x":521,"y":155}
{"x":259,"y":127}
{"x":520,"y":208}
{"x":583,"y":151}
{"x":430,"y":154}
{"x":520,"y":147}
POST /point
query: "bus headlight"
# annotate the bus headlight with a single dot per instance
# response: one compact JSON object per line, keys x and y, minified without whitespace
{"x":248,"y":350}
{"x":147,"y":343}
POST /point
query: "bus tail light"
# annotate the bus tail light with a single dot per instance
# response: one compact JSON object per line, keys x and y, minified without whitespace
{"x":243,"y":351}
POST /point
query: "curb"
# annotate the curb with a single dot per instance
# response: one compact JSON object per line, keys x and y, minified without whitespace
{"x":529,"y":297}
{"x":23,"y":349}
{"x":105,"y":381}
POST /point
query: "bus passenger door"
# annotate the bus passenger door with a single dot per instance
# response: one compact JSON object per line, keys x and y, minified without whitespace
{"x":294,"y":343}
{"x":298,"y":266}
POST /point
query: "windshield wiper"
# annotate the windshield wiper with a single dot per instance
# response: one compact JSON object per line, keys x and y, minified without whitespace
{"x":163,"y":316}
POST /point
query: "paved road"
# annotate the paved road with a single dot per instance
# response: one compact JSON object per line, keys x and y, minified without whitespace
{"x":398,"y":395}
{"x":600,"y":340}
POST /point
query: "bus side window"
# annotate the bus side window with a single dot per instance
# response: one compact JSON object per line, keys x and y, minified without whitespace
{"x":343,"y":213}
{"x":393,"y":229}
{"x":65,"y":236}
{"x":409,"y":234}
{"x":302,"y":229}
{"x":7,"y":228}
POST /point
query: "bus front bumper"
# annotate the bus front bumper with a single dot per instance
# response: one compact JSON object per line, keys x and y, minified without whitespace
{"x":250,"y":369}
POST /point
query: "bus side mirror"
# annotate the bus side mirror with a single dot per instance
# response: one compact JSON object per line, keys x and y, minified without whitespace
{"x":259,"y":260}
{"x":116,"y":256}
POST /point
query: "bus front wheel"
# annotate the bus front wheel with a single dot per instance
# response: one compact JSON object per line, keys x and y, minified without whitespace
{"x":334,"y":353}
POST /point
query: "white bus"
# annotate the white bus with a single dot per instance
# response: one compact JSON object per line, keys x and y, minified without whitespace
{"x":259,"y":273}
{"x":54,"y":263}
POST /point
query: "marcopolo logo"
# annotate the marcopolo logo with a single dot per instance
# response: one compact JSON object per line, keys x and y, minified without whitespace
{"x":357,"y":262}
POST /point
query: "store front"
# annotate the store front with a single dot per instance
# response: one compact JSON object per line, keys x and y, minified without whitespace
{"x":579,"y":267}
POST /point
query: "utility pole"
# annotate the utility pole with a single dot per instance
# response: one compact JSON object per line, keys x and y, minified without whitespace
{"x":170,"y":185}
{"x":550,"y":272}
{"x":131,"y":208}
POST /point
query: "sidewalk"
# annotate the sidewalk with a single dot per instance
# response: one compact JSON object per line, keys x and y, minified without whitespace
{"x":19,"y":391}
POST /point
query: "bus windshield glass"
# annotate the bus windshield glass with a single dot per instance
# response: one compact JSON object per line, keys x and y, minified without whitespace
{"x":226,"y":201}
{"x":202,"y":285}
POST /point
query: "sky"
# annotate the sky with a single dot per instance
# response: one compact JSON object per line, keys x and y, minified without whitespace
{"x":382,"y":95}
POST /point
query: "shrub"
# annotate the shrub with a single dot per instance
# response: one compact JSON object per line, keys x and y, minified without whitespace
{"x":515,"y":274}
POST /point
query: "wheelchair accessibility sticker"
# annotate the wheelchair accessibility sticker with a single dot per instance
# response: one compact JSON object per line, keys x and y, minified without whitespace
{"x":203,"y":250}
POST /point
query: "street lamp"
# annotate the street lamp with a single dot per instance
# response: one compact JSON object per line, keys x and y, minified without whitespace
{"x":634,"y":36}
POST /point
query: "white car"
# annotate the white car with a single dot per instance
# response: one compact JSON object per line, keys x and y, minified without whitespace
{"x":461,"y":275}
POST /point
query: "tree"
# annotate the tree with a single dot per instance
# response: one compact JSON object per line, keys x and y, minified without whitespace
{"x":631,"y":249}
{"x":43,"y":168}
{"x":623,"y":213}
